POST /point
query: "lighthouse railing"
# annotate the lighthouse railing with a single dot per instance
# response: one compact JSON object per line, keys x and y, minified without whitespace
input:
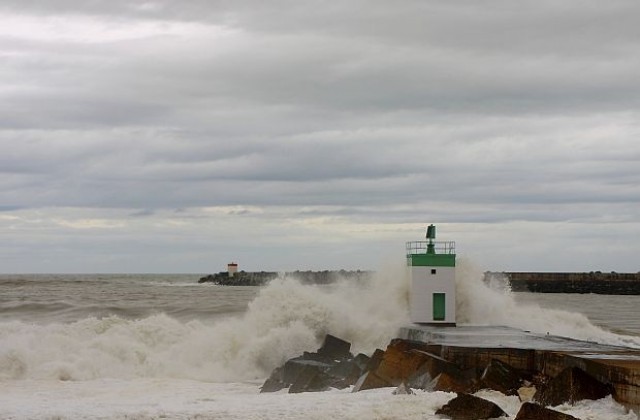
{"x":440,"y":247}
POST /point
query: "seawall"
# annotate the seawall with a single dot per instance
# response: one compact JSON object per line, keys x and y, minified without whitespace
{"x":589,"y":282}
{"x":260,"y":278}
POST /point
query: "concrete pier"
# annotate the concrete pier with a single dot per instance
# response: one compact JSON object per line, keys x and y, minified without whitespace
{"x":475,"y":346}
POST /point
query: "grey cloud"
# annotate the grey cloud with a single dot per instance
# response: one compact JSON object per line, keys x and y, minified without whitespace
{"x":367,"y":112}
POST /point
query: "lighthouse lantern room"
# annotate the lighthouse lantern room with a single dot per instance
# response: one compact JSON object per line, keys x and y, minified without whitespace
{"x":433,"y":280}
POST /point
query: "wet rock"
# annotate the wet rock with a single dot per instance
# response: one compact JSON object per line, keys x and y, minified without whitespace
{"x":362,"y":361}
{"x":311,"y":379}
{"x":335,"y":348}
{"x":345,"y":373}
{"x":370,"y":380}
{"x":447,"y":383}
{"x":571,"y":385}
{"x":501,"y":377}
{"x":375,"y":360}
{"x":295,"y":367}
{"x":274,"y":382}
{"x":531,"y":411}
{"x":435,"y":365}
{"x":331,"y":366}
{"x":399,"y":363}
{"x":403,"y":389}
{"x":470,"y":407}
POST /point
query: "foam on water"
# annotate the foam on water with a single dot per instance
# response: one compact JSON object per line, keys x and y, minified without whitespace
{"x":160,"y":367}
{"x":493,"y":303}
{"x":284,"y":320}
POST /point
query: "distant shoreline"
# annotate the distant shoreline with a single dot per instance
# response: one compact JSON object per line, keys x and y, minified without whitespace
{"x":260,"y":278}
{"x":595,"y":282}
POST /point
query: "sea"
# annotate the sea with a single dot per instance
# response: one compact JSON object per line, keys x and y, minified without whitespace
{"x":163,"y":346}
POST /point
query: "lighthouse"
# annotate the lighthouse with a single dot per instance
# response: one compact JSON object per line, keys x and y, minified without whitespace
{"x":433,"y":280}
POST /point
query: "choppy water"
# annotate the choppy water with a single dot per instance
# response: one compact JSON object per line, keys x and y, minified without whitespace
{"x":164,"y":346}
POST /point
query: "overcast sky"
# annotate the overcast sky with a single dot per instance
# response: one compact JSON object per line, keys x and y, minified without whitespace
{"x":173,"y":136}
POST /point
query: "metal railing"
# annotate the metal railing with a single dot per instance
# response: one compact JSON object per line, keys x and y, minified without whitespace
{"x":439,"y":247}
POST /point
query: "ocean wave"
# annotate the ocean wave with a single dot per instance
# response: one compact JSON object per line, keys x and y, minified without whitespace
{"x":285,"y":319}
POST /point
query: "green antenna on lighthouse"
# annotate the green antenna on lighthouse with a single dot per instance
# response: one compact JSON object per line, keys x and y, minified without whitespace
{"x":431,"y":235}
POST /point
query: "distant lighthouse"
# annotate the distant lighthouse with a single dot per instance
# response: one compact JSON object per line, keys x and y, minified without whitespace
{"x":433,"y":280}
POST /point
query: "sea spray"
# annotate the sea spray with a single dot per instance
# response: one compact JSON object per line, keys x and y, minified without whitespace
{"x":285,"y":319}
{"x":493,"y":303}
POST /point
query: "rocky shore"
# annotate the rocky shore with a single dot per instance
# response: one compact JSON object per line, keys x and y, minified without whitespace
{"x":411,"y":365}
{"x":260,"y":278}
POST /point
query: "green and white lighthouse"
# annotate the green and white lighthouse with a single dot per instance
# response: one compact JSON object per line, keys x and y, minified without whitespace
{"x":433,"y":280}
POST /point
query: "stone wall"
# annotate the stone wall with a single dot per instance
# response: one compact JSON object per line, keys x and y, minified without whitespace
{"x":592,"y":282}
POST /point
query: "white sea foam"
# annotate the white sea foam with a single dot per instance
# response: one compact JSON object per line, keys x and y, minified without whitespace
{"x":159,"y":367}
{"x":493,"y":303}
{"x":284,"y":320}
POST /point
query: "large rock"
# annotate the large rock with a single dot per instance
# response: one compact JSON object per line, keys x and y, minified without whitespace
{"x":470,"y":407}
{"x":345,"y":373}
{"x":335,"y":348}
{"x":370,"y":380}
{"x":499,"y":376}
{"x":402,"y":360}
{"x":311,"y":379}
{"x":375,"y":360}
{"x":434,"y":366}
{"x":531,"y":411}
{"x":274,"y":382}
{"x":447,"y":383}
{"x":295,"y":367}
{"x":571,"y":385}
{"x":331,"y":366}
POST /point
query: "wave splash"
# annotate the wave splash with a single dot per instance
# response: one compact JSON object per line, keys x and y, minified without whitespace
{"x":285,"y":319}
{"x":493,"y":303}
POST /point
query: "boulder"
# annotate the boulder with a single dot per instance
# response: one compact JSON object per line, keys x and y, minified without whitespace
{"x":370,"y":380}
{"x":399,"y":363}
{"x":362,"y":361}
{"x":469,"y":407}
{"x":335,"y":348}
{"x":345,"y":373}
{"x":571,"y":385}
{"x":295,"y":367}
{"x":531,"y":411}
{"x":435,"y":365}
{"x":447,"y":383}
{"x":311,"y":379}
{"x":375,"y":360}
{"x":274,"y":382}
{"x":501,"y":377}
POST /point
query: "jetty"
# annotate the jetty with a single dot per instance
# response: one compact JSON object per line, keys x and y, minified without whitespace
{"x":474,"y":347}
{"x":261,"y":278}
{"x":435,"y":353}
{"x":562,"y":282}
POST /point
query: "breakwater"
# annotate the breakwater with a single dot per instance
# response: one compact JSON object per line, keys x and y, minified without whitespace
{"x":260,"y":278}
{"x":589,"y":282}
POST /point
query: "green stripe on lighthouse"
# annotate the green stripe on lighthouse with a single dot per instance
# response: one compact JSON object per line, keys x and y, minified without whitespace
{"x":433,"y":260}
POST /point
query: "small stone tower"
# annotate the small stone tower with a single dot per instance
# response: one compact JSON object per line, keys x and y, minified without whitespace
{"x":433,"y":280}
{"x":232,"y":269}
